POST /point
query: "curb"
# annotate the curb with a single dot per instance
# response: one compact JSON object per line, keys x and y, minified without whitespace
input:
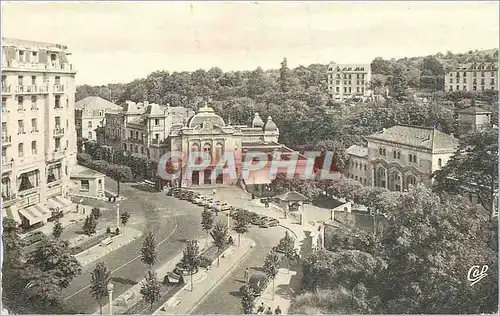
{"x":289,"y":229}
{"x":231,"y":269}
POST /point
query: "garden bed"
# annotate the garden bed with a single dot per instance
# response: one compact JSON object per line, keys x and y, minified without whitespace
{"x":96,"y":240}
{"x":143,"y":307}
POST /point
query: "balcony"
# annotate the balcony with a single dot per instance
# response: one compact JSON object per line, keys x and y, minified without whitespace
{"x":6,"y":89}
{"x":50,"y":66}
{"x":7,"y":165}
{"x":55,"y":155}
{"x":54,"y":188}
{"x":58,"y":88}
{"x":32,"y":89}
{"x":6,"y":140}
{"x":58,"y":132}
{"x":136,"y":140}
{"x":8,"y":199}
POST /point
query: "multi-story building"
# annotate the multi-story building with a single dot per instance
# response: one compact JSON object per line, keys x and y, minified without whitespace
{"x":472,"y":119}
{"x":472,"y":77}
{"x":38,"y":129}
{"x":346,"y":81}
{"x":400,"y":156}
{"x":90,"y":114}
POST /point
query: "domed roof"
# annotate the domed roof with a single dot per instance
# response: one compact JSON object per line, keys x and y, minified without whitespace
{"x":270,"y":125}
{"x":257,"y":121}
{"x":206,"y":114}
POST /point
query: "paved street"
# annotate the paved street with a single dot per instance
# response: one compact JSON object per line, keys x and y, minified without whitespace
{"x":224,"y":298}
{"x":172,"y":221}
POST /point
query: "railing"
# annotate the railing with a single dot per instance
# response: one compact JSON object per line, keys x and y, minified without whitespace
{"x":38,"y":66}
{"x":28,"y":192}
{"x":54,"y":188}
{"x":58,"y":131}
{"x":6,"y":140}
{"x":6,"y":89}
{"x":136,"y":140}
{"x":55,"y":155}
{"x":58,"y":88}
{"x":9,"y":197}
{"x":28,"y":197}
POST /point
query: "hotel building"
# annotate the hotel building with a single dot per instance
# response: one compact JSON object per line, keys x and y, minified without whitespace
{"x":472,"y":77}
{"x":346,"y":81}
{"x":38,"y":130}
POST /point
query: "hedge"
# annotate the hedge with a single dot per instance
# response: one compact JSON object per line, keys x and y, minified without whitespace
{"x":123,"y":173}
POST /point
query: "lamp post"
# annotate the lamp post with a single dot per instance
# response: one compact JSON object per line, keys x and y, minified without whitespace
{"x":110,"y":294}
{"x":118,"y":215}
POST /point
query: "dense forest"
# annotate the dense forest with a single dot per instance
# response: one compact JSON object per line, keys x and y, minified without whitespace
{"x":297,"y":98}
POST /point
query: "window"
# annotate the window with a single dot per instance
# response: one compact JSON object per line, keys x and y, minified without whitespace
{"x":58,"y":80}
{"x":4,"y":104}
{"x":20,"y":150}
{"x":33,"y":102}
{"x":337,"y":82}
{"x":29,"y":180}
{"x":157,"y":122}
{"x":356,"y":177}
{"x":482,"y":73}
{"x":413,"y":158}
{"x":465,"y":80}
{"x":142,"y":150}
{"x":397,"y":154}
{"x":57,"y":101}
{"x":465,"y":73}
{"x":458,"y":74}
{"x":21,"y":55}
{"x":137,"y":134}
{"x":349,"y":76}
{"x":58,"y":122}
{"x":34,"y":57}
{"x":357,"y":89}
{"x":458,"y":87}
{"x":451,"y":80}
{"x":20,"y":80}
{"x":337,"y":89}
{"x":349,"y":89}
{"x":482,"y":81}
{"x":90,"y":124}
{"x":20,"y":103}
{"x":474,"y":88}
{"x":90,"y":135}
{"x":345,"y":89}
{"x":33,"y":147}
{"x":451,"y":88}
{"x":474,"y":74}
{"x":20,"y":127}
{"x":34,"y":127}
{"x":381,"y":151}
{"x":492,"y":81}
{"x":33,"y":80}
{"x":439,"y":162}
{"x":58,"y":144}
{"x":85,"y":185}
{"x":364,"y":166}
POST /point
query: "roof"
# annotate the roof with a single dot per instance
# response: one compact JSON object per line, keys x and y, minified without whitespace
{"x":416,"y":136}
{"x":8,"y":41}
{"x":473,"y":110}
{"x":356,"y":150}
{"x":349,"y":67}
{"x":96,"y":103}
{"x":257,"y":121}
{"x":206,"y":115}
{"x":78,"y":171}
{"x":132,"y":108}
{"x":476,"y":66}
{"x":154,"y":109}
{"x":270,"y":125}
{"x":292,"y":196}
{"x":138,"y":120}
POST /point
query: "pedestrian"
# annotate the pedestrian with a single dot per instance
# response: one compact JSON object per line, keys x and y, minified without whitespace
{"x":246,"y":276}
{"x":277,"y":311}
{"x":261,"y":308}
{"x":269,"y":311}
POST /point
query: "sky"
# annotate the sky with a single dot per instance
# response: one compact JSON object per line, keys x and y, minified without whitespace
{"x":121,"y":41}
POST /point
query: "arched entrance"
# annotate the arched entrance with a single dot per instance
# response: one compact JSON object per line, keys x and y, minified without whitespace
{"x":195,"y":178}
{"x":396,"y":181}
{"x":381,"y":177}
{"x":411,"y":180}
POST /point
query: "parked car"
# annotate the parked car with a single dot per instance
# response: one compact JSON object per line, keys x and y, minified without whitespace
{"x":200,"y":200}
{"x":255,"y":219}
{"x":194,"y":197}
{"x":225,"y":207}
{"x":273,"y":222}
{"x":217,"y":207}
{"x":206,"y":201}
{"x":33,"y":238}
{"x":210,"y":203}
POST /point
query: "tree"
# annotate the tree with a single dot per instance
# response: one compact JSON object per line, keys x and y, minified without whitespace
{"x":124,"y":217}
{"x":219,"y":235}
{"x":150,"y":289}
{"x":286,"y":246}
{"x":473,"y":168}
{"x":89,"y":226}
{"x":271,"y":265}
{"x":242,"y":223}
{"x":99,"y":279}
{"x":247,"y":299}
{"x":49,"y":270}
{"x":190,"y":260}
{"x":57,"y":229}
{"x":148,"y":251}
{"x":207,"y":220}
{"x":12,"y":245}
{"x":284,"y":76}
{"x":330,"y":301}
{"x":96,"y":212}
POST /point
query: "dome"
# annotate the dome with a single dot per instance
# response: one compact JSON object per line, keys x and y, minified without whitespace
{"x":206,"y":114}
{"x":257,"y":121}
{"x":270,"y":125}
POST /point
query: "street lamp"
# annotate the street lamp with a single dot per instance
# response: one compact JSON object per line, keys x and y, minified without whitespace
{"x":118,"y":215}
{"x":110,"y":292}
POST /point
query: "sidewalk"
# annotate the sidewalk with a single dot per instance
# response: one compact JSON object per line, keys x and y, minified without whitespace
{"x":283,"y":292}
{"x":67,"y":220}
{"x":90,"y":255}
{"x":134,"y":292}
{"x":185,"y":301}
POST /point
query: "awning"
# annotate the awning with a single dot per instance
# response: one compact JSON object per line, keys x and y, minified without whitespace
{"x":35,"y":214}
{"x":9,"y":213}
{"x":59,"y":201}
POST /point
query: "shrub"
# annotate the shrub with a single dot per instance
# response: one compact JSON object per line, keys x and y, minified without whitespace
{"x":205,"y":262}
{"x":96,"y":212}
{"x":117,"y":231}
{"x":108,"y":230}
{"x":258,"y":283}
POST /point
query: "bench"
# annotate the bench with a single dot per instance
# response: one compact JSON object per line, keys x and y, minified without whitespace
{"x":106,"y":241}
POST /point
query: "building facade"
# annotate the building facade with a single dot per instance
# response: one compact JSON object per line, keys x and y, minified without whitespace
{"x":400,"y":156}
{"x":473,"y":119}
{"x":38,"y":129}
{"x":90,"y":114}
{"x":472,"y":77}
{"x":348,"y":81}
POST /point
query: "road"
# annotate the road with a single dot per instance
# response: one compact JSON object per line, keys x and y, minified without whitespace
{"x":172,"y":221}
{"x":224,"y":298}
